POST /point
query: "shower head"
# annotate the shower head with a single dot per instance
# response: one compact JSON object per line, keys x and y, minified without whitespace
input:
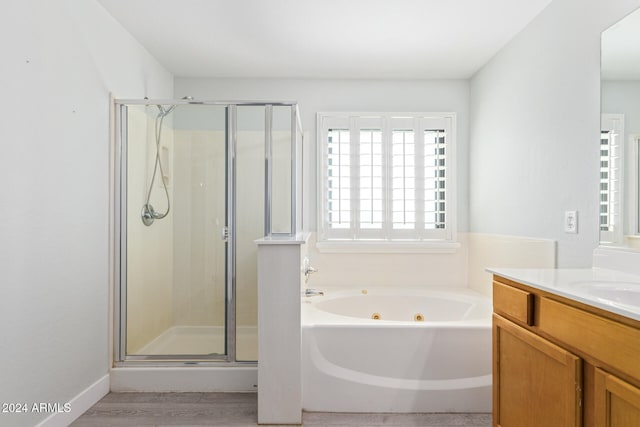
{"x":164,"y":112}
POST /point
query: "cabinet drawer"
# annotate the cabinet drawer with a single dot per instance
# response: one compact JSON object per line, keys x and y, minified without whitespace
{"x":513,"y":303}
{"x":609,"y":342}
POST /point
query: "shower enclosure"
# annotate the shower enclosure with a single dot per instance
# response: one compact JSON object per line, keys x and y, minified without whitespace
{"x":195,"y":184}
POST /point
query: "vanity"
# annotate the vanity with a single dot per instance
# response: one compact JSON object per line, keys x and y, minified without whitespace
{"x":566,"y":347}
{"x":566,"y":342}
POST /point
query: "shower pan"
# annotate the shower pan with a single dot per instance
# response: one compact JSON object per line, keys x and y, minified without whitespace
{"x":196,"y":183}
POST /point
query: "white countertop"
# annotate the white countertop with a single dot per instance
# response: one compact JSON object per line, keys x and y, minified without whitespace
{"x":570,"y":283}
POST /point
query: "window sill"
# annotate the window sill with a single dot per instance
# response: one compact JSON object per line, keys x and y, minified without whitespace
{"x":376,"y":247}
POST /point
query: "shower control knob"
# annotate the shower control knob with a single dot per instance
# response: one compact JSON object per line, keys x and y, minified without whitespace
{"x":307,"y":270}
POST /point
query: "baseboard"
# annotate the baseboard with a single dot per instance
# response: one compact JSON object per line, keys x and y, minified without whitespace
{"x":79,"y":404}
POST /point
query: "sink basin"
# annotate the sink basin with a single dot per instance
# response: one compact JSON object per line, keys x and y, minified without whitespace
{"x":625,"y":294}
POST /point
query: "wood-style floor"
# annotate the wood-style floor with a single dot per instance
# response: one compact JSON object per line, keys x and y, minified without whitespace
{"x":239,"y":409}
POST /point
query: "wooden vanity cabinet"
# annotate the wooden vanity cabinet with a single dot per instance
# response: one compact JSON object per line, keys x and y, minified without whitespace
{"x":557,"y":362}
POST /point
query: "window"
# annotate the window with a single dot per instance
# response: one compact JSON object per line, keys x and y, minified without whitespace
{"x":386,"y":178}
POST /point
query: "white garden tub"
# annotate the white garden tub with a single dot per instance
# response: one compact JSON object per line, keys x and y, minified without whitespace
{"x":396,"y":350}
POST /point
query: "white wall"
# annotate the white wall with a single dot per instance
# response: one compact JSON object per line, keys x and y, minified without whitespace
{"x":534,"y":130}
{"x":60,"y":61}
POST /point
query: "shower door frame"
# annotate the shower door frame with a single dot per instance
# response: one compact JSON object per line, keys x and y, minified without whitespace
{"x":120,"y":358}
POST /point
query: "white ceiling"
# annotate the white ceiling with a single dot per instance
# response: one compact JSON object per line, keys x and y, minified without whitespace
{"x":621,"y":49}
{"x":397,"y":39}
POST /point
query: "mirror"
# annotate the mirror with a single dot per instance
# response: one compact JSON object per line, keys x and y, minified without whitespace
{"x":620,"y":134}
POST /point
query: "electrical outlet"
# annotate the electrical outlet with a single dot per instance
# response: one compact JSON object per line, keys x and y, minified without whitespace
{"x":571,"y":222}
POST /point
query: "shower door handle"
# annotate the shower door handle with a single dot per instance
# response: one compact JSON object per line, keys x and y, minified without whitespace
{"x":224,"y":234}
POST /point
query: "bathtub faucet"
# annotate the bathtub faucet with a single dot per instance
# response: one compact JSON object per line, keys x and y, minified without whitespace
{"x":312,"y":292}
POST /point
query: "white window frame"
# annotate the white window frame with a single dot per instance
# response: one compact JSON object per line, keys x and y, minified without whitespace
{"x":355,"y":238}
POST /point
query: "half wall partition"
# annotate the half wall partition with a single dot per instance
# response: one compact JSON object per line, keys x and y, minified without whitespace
{"x":196,"y":184}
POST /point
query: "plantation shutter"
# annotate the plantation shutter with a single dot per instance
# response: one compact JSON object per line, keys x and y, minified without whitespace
{"x":386,"y":177}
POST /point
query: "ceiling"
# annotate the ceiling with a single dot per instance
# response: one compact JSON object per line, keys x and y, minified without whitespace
{"x":388,"y":39}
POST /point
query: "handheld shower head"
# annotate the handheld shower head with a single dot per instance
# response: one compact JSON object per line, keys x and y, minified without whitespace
{"x":149,"y":214}
{"x":164,"y":112}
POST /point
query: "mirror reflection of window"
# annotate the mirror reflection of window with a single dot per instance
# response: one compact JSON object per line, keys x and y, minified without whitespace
{"x":611,"y":181}
{"x":605,"y":139}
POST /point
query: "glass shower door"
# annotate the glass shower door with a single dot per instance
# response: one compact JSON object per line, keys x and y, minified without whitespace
{"x":174,"y":301}
{"x":196,"y":184}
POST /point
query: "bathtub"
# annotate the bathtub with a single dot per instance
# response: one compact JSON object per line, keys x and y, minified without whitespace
{"x":396,"y":350}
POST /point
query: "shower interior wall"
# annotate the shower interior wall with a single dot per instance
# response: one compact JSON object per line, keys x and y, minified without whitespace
{"x":198,"y":260}
{"x":176,"y":267}
{"x":149,"y":249}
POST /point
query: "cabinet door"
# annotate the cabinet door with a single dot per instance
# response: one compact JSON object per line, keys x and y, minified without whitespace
{"x":617,"y":403}
{"x":535,"y":382}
